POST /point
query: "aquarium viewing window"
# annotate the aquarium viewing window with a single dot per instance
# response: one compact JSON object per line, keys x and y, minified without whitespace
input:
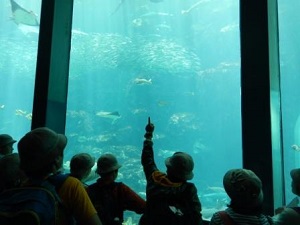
{"x":290,"y":92}
{"x":178,"y":63}
{"x":19,"y":29}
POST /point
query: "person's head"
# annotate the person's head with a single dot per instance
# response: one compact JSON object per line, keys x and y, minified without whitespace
{"x":180,"y":167}
{"x":10,"y":174}
{"x":295,"y":175}
{"x":289,"y":216}
{"x":108,"y":166}
{"x":81,"y":165}
{"x":244,"y":189}
{"x":41,"y":152}
{"x":6,"y":144}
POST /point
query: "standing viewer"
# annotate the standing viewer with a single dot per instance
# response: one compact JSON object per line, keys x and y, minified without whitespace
{"x":6,"y":144}
{"x":170,"y":198}
{"x":245,"y":191}
{"x":41,"y":154}
{"x":295,"y":175}
{"x":112,"y":198}
{"x":288,"y":216}
{"x":295,"y":185}
{"x":10,"y":174}
{"x":81,"y":167}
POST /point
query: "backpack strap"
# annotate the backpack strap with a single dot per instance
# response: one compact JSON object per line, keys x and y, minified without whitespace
{"x":58,"y":180}
{"x":54,"y":183}
{"x":226,"y":219}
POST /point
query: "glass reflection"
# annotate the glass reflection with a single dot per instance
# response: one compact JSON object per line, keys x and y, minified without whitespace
{"x":176,"y":61}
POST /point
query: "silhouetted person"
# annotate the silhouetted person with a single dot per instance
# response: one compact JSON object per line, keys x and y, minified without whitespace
{"x":41,"y":154}
{"x":81,"y":167}
{"x":6,"y":144}
{"x":10,"y":174}
{"x":112,"y":198}
{"x":244,"y":189}
{"x":170,"y":198}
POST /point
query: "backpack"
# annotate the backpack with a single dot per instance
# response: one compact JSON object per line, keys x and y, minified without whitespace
{"x":36,"y":204}
{"x":168,"y":209}
{"x":106,"y":201}
{"x":167,"y":213}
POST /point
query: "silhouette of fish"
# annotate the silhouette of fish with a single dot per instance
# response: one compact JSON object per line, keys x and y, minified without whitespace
{"x":142,"y":81}
{"x":23,"y":16}
{"x":109,"y":115}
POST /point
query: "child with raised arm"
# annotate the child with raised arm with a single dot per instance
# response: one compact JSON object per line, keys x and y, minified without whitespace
{"x":170,"y":198}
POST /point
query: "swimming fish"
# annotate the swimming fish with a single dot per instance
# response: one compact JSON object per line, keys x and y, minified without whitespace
{"x":296,"y":148}
{"x":20,"y":112}
{"x":23,"y":16}
{"x":142,"y":81}
{"x":109,"y":115}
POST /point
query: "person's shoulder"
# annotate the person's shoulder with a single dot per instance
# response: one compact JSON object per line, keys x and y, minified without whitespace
{"x":72,"y":179}
{"x":124,"y":187}
{"x":216,"y":218}
{"x":72,"y":182}
{"x":190,"y":186}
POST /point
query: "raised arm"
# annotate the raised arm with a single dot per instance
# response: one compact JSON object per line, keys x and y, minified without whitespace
{"x":147,"y":152}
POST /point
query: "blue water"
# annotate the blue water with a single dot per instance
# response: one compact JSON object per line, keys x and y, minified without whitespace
{"x":289,"y":57}
{"x":192,"y":59}
{"x":193,"y":99}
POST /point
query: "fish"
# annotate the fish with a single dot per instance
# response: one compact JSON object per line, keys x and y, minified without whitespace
{"x":296,"y":148}
{"x":20,"y":112}
{"x":23,"y":16}
{"x":162,"y":103}
{"x":29,"y":116}
{"x":142,"y":81}
{"x":138,"y":22}
{"x":216,"y":189}
{"x":114,"y":116}
{"x":217,"y":195}
{"x":139,"y":111}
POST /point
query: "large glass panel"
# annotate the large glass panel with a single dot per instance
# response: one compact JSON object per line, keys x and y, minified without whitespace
{"x":19,"y":27}
{"x":175,"y":61}
{"x":289,"y":38}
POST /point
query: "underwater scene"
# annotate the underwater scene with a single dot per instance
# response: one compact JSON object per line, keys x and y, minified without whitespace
{"x":289,"y":42}
{"x":176,"y":61}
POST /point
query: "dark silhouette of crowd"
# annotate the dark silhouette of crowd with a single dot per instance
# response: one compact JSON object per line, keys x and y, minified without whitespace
{"x":90,"y":194}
